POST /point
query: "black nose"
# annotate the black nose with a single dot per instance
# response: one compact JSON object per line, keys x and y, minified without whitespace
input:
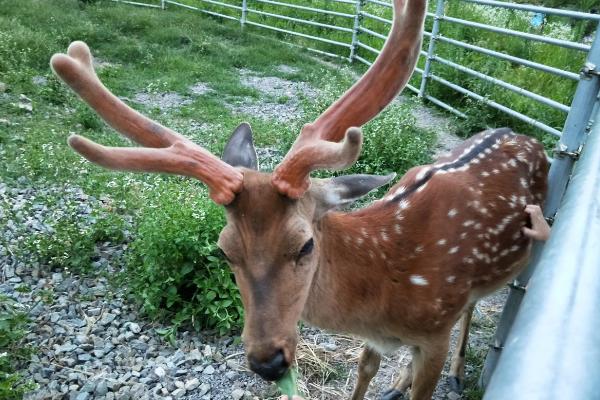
{"x":270,"y":370}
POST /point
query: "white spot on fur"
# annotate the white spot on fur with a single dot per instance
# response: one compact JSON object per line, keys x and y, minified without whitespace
{"x":359,"y":240}
{"x":524,"y":183}
{"x":404,"y":204}
{"x":468,"y":222}
{"x":398,"y":228}
{"x":418,"y":280}
{"x":384,"y":236}
{"x":441,"y":242}
{"x":453,"y":250}
{"x":452,"y":213}
{"x":419,"y":249}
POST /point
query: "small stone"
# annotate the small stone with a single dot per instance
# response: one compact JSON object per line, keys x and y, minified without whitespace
{"x":194,"y":355}
{"x":178,"y":393}
{"x":231,"y":375}
{"x":160,"y":372}
{"x":101,"y":388}
{"x":453,"y":396}
{"x":192,"y":384}
{"x":237,"y":394}
{"x":107,"y":319}
{"x":66,"y":348}
{"x":231,"y":364}
{"x":207,"y":351}
{"x":84,"y":357}
{"x":135,"y":328}
{"x":68,"y":361}
{"x":204,"y":388}
{"x":209,"y":370}
{"x":88,"y":387}
{"x":94,"y":311}
{"x":82,"y":396}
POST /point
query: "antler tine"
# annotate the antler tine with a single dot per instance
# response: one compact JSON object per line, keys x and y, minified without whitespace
{"x":169,"y":152}
{"x":364,"y":100}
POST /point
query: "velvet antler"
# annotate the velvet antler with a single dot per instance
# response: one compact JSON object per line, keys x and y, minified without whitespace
{"x":165,"y":150}
{"x":316,"y":146}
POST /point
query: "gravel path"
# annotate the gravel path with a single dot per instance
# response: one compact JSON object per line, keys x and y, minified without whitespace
{"x":92,"y":343}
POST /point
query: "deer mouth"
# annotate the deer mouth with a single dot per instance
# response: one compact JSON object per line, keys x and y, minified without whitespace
{"x":272,"y":369}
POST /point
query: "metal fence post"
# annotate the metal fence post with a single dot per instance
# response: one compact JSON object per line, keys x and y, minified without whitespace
{"x":573,"y":136}
{"x":244,"y":12}
{"x":355,"y":29}
{"x":162,"y":4}
{"x":439,"y":13}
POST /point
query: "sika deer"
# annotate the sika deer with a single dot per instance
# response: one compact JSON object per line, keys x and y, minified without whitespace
{"x":399,"y":272}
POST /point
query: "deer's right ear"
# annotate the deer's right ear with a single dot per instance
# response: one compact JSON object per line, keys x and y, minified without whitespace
{"x":343,"y":190}
{"x":240,"y":151}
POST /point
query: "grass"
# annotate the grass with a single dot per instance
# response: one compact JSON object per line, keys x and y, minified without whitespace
{"x":558,"y":89}
{"x":173,"y":268}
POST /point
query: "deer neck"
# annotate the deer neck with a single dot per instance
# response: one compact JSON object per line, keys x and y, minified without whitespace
{"x":356,"y":250}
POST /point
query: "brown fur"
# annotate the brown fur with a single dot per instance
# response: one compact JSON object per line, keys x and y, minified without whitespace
{"x":358,"y":279}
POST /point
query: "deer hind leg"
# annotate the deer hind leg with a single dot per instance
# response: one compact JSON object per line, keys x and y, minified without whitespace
{"x":401,"y":384}
{"x":427,"y":363}
{"x":367,"y":368}
{"x":456,"y":379}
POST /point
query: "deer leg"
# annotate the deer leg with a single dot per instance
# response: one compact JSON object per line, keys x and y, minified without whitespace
{"x":400,"y":386}
{"x":427,"y":364}
{"x":367,"y":368}
{"x":456,"y":380}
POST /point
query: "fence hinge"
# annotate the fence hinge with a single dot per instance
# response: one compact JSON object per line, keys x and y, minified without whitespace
{"x":589,"y":70}
{"x":517,"y":286}
{"x":561,"y":152}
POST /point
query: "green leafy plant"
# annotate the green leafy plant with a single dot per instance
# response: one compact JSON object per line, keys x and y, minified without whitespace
{"x":13,"y":353}
{"x":174,"y":265}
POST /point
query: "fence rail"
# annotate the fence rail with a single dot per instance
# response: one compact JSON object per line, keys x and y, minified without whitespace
{"x":356,"y":29}
{"x":581,"y":203}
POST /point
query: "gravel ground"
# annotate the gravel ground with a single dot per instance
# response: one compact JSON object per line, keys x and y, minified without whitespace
{"x":92,"y":343}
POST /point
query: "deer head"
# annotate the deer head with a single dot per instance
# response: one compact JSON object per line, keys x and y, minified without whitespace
{"x":272,"y":237}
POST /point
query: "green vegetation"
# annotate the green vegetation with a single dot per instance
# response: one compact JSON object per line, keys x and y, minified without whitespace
{"x":173,"y":267}
{"x":558,"y":89}
{"x":13,"y":353}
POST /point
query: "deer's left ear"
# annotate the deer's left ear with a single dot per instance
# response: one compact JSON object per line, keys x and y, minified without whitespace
{"x":240,"y":151}
{"x":343,"y":190}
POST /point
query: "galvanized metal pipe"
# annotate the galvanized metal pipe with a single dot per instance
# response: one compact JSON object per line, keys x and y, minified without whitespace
{"x":516,"y":89}
{"x":435,"y":30}
{"x":356,"y":28}
{"x":312,"y":9}
{"x":517,"y":60}
{"x":497,"y":106}
{"x":304,"y":35}
{"x":529,"y":36}
{"x":244,"y":12}
{"x":372,"y":33}
{"x":381,"y":3}
{"x":300,"y":21}
{"x":214,"y":14}
{"x":553,"y":350}
{"x":572,"y":138}
{"x":135,"y":3}
{"x":376,"y":18}
{"x":537,"y":9}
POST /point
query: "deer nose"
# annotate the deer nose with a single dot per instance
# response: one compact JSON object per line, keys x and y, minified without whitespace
{"x":272,"y":369}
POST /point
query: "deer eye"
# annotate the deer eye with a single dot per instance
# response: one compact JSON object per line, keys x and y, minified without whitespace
{"x":223,"y":255}
{"x":306,"y":249}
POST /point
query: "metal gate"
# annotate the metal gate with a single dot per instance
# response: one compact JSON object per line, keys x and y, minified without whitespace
{"x":566,"y":288}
